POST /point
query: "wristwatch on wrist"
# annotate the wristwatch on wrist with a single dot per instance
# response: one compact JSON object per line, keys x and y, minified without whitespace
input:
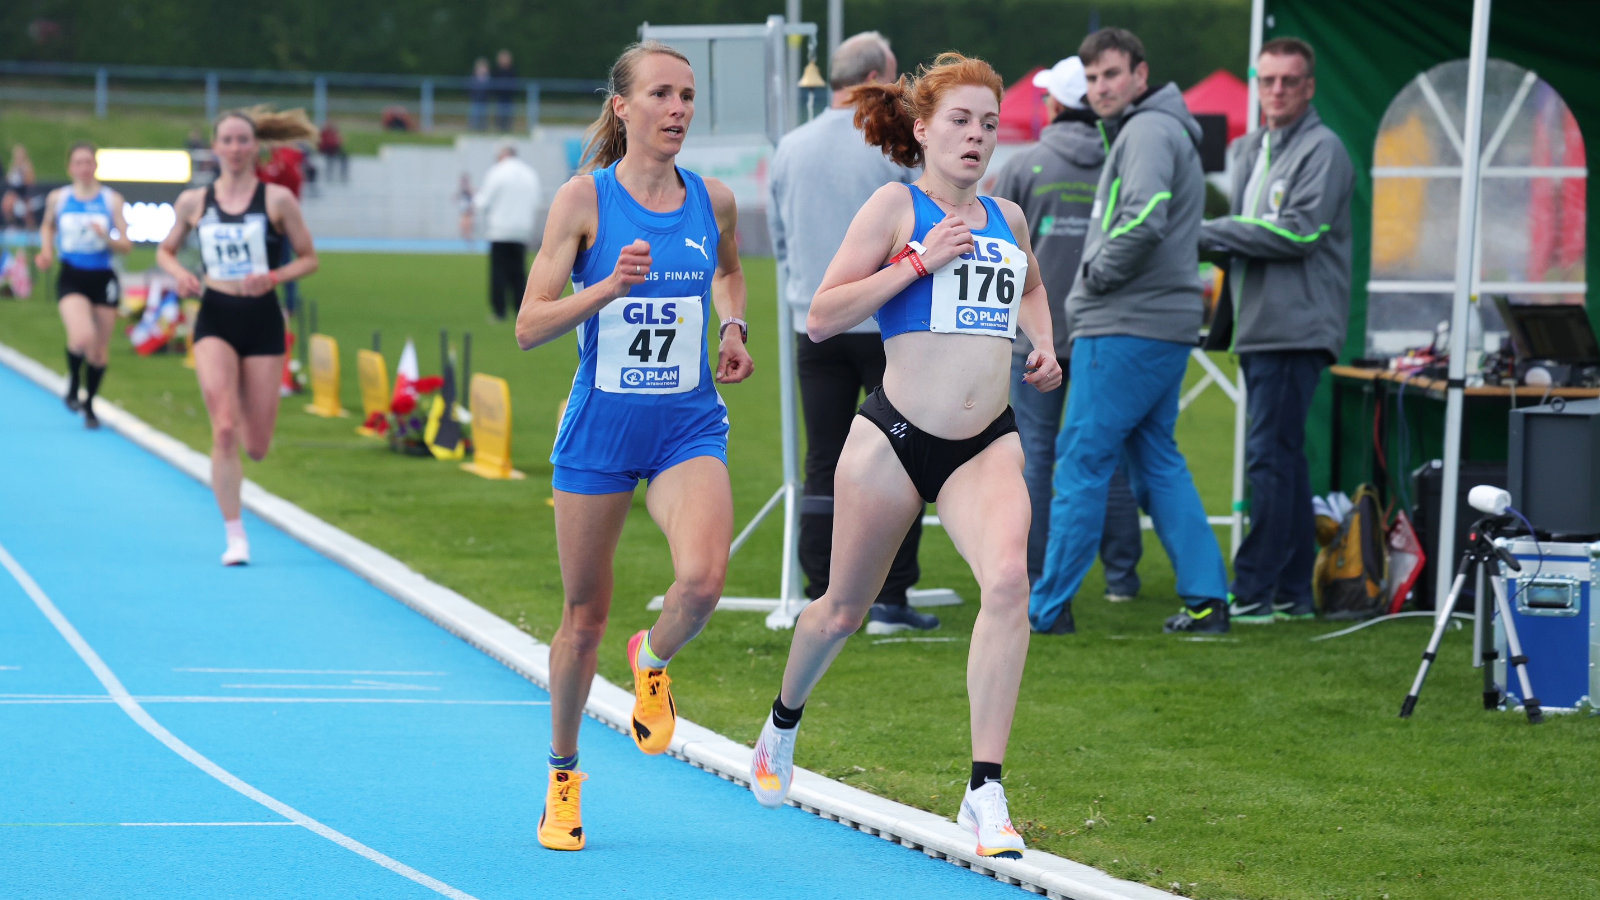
{"x":744,"y":328}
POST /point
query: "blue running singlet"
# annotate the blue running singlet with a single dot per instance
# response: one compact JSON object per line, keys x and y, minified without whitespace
{"x":972,"y":294}
{"x":643,"y":398}
{"x":79,"y":244}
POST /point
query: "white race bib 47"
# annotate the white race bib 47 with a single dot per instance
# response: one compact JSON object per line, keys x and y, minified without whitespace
{"x":649,"y":345}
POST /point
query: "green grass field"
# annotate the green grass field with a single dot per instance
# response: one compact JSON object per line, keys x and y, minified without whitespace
{"x":49,"y":134}
{"x":1258,"y":766}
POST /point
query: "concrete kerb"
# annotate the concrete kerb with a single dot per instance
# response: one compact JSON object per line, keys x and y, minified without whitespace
{"x":1038,"y":872}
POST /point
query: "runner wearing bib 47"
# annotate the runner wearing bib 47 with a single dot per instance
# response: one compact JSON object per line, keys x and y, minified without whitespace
{"x":649,"y":249}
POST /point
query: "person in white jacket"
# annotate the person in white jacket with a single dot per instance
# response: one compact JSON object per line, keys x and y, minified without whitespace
{"x":508,"y":205}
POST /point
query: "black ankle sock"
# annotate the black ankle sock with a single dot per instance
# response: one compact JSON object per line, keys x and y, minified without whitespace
{"x":93,"y":382}
{"x":783,"y":716}
{"x":74,"y":372}
{"x":982,"y":773}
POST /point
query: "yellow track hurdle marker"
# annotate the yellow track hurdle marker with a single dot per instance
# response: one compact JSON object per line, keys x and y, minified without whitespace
{"x":373,"y":374}
{"x":489,"y":399}
{"x":325,"y":378}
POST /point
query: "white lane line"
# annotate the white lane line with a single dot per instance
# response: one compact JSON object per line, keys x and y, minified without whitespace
{"x":202,"y":824}
{"x":311,"y":672}
{"x":17,"y":699}
{"x":10,"y":668}
{"x":138,"y":714}
{"x":144,"y":824}
{"x":358,"y":686}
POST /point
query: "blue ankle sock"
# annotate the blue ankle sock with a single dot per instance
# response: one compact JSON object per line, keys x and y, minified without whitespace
{"x":564,"y":763}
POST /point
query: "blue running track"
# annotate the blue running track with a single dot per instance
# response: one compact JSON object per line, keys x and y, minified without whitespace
{"x":170,"y":728}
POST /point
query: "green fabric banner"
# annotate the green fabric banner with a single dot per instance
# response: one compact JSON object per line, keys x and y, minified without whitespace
{"x":1367,"y":51}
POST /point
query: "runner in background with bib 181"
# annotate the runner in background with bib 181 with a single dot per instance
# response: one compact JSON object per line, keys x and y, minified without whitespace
{"x":649,"y":248}
{"x":245,"y":226}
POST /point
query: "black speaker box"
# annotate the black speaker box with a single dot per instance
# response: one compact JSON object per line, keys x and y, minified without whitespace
{"x":1428,"y":493}
{"x":1555,"y":466}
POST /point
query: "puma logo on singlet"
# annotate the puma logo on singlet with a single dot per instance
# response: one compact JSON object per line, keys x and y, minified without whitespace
{"x":700,"y":246}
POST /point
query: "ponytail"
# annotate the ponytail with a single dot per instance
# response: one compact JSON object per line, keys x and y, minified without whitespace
{"x":605,"y":141}
{"x":269,"y":125}
{"x":885,"y":113}
{"x":885,"y":119}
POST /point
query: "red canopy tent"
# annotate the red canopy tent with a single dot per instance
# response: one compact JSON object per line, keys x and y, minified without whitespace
{"x":1220,"y":93}
{"x":1022,"y":114}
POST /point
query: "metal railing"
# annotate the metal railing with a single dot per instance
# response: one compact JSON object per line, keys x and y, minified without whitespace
{"x":108,"y":86}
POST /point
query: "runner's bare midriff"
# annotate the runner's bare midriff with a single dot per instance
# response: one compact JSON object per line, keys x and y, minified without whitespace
{"x":948,"y":385}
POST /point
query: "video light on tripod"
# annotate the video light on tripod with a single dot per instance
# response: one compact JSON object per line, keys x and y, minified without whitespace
{"x":1486,"y":498}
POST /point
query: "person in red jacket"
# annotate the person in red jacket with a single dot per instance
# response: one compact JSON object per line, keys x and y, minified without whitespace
{"x":284,"y":167}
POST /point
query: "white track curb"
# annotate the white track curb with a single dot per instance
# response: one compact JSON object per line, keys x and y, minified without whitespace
{"x":1039,"y":872}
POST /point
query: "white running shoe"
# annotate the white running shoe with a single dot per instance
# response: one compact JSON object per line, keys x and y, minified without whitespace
{"x":772,"y":764}
{"x":984,"y":812}
{"x":238,"y":552}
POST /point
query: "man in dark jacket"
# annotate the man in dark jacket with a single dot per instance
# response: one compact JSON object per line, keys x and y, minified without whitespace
{"x":1289,"y":237}
{"x":1135,"y":312}
{"x":1054,"y":183}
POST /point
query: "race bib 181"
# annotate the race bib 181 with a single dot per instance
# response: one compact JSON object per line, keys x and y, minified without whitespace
{"x":232,"y":250}
{"x":978,"y":293}
{"x":649,"y":345}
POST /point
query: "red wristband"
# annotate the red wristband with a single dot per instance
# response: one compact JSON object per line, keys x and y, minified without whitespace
{"x":912,"y":252}
{"x":273,"y":277}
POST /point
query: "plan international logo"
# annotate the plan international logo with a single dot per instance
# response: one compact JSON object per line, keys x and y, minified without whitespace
{"x":983,"y":319}
{"x":654,"y":378}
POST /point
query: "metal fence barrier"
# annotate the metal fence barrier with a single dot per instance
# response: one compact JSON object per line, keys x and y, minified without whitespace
{"x":435,"y":96}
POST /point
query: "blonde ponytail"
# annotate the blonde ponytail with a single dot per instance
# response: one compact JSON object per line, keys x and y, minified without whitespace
{"x":271,"y":125}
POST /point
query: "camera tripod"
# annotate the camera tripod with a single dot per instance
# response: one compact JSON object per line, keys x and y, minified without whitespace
{"x":1481,"y":553}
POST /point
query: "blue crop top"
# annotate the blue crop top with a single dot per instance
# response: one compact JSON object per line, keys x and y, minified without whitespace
{"x":973,"y":294}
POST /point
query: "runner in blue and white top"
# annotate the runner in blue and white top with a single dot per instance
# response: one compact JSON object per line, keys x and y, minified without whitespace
{"x":951,"y":278}
{"x":650,"y":250}
{"x":83,"y":222}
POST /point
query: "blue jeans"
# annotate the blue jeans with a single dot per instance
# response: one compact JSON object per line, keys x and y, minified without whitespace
{"x":1123,"y":399}
{"x":1038,"y":422}
{"x":1274,"y":564}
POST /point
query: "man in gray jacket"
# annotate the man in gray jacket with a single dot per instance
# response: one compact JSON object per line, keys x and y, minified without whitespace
{"x":821,"y":174}
{"x":1289,"y":237}
{"x":1136,"y":313}
{"x":1054,"y":183}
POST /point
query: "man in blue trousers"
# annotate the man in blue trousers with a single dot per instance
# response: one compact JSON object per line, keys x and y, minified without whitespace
{"x":1136,"y":314}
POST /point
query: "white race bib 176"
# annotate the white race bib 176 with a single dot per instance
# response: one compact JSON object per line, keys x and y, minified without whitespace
{"x":232,"y":250}
{"x":978,"y":293}
{"x":649,"y":345}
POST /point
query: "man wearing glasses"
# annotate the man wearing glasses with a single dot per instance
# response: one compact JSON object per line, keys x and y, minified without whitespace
{"x":1289,"y":280}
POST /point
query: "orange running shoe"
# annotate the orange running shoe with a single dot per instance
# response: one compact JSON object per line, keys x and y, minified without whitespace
{"x":561,"y":824}
{"x":654,"y":714}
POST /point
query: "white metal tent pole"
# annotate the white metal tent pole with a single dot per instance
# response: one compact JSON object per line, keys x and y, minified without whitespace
{"x":1466,"y":273}
{"x":1258,"y":15}
{"x":835,"y":28}
{"x":790,"y":599}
